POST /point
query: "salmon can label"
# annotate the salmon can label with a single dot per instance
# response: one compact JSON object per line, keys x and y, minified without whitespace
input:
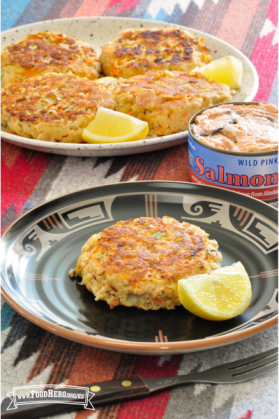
{"x":251,"y":174}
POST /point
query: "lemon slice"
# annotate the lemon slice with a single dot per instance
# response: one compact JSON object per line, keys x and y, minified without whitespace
{"x":221,"y":295}
{"x":226,"y":70}
{"x":107,"y":82}
{"x":108,"y":79}
{"x":114,"y":127}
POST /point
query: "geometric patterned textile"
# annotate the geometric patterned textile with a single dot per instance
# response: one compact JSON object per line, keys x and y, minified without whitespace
{"x":30,"y":354}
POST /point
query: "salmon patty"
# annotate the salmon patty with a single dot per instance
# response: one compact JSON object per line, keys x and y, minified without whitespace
{"x":138,"y":51}
{"x":167,"y":100}
{"x":53,"y":107}
{"x":139,"y":262}
{"x":48,"y":52}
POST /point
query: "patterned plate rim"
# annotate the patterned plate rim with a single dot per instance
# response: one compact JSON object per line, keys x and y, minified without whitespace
{"x":142,"y":347}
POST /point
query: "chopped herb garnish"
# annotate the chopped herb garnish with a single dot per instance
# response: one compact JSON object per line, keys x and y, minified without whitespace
{"x":158,"y":234}
{"x":49,"y":99}
{"x":102,"y":256}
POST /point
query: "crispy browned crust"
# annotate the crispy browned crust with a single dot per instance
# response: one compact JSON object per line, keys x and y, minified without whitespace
{"x":167,"y":100}
{"x":141,"y":50}
{"x":53,"y":107}
{"x":51,"y":52}
{"x":138,"y":262}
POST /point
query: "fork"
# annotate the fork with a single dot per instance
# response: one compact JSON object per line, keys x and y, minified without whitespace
{"x":137,"y":387}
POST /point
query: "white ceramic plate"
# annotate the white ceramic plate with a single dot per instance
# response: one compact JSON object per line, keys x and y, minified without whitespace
{"x":97,"y":31}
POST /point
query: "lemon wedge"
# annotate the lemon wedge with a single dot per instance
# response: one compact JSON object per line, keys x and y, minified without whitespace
{"x":107,"y":82}
{"x":108,"y":79}
{"x":114,"y":127}
{"x":221,"y":295}
{"x":227,"y":70}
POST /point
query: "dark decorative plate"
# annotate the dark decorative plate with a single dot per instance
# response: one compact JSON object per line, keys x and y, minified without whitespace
{"x":40,"y":248}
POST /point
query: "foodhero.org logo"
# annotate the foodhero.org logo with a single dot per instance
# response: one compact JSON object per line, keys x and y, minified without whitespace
{"x":47,"y":393}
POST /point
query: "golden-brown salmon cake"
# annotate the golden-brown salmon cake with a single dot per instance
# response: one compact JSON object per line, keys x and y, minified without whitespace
{"x":53,"y":107}
{"x":138,"y":51}
{"x":48,"y":52}
{"x":139,"y":262}
{"x":167,"y":100}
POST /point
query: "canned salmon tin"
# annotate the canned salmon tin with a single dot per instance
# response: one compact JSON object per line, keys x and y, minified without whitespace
{"x":252,"y":173}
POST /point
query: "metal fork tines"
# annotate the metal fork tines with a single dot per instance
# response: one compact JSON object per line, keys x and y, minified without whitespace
{"x":247,"y":368}
{"x":233,"y":372}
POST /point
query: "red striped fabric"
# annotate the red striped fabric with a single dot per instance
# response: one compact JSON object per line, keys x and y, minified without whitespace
{"x":154,"y":406}
{"x":265,"y":54}
{"x":20,"y":172}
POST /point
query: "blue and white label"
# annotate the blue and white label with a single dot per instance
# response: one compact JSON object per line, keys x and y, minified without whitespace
{"x":256,"y":176}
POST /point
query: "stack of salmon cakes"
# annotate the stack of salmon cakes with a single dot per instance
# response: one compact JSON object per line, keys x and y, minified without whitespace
{"x":51,"y":90}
